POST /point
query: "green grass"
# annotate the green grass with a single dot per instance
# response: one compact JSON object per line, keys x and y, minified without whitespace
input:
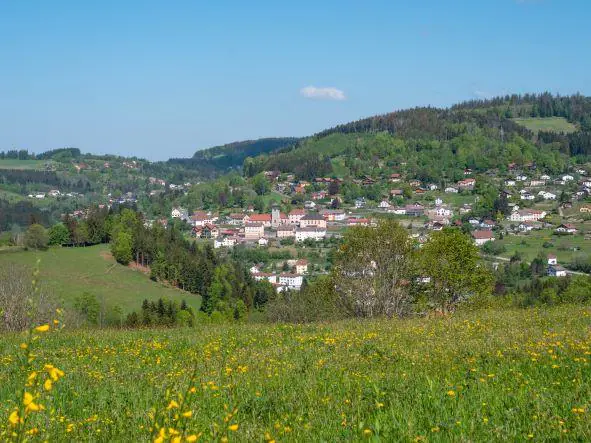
{"x":530,"y":245}
{"x":497,"y":375}
{"x":22,"y":164}
{"x":68,"y":272}
{"x":556,"y":124}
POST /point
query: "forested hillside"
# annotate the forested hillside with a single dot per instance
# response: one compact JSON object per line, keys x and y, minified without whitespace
{"x":212,"y":161}
{"x":438,"y":144}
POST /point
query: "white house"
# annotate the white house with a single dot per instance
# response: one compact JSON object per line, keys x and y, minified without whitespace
{"x":552,"y":260}
{"x":271,"y":278}
{"x":295,"y":216}
{"x":384,"y":204}
{"x":556,"y":271}
{"x":301,"y":266}
{"x":544,"y":177}
{"x":567,"y":178}
{"x":482,"y":236}
{"x":397,"y":210}
{"x":451,"y":190}
{"x":527,"y":196}
{"x":527,"y":215}
{"x":547,"y":195}
{"x":510,"y":183}
{"x":566,"y":229}
{"x":310,"y":232}
{"x":521,"y":178}
{"x":292,"y":281}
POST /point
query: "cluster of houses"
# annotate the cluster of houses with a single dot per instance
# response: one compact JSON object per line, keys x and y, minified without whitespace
{"x":53,"y":193}
{"x":284,"y":280}
{"x":299,"y":224}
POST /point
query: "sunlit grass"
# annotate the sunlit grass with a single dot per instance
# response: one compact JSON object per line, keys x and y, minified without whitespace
{"x":488,"y":375}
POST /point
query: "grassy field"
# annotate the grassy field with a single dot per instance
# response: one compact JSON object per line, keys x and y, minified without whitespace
{"x":508,"y":375}
{"x":530,"y":245}
{"x":68,"y":272}
{"x":556,"y":124}
{"x":22,"y":164}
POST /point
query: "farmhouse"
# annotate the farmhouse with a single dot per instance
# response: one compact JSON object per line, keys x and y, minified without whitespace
{"x":180,"y":213}
{"x":333,"y":215}
{"x":552,"y":260}
{"x":451,"y":190}
{"x":206,"y":231}
{"x":567,"y":228}
{"x":467,"y":184}
{"x":482,"y":236}
{"x":384,"y":204}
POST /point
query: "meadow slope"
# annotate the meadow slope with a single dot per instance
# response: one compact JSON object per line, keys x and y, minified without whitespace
{"x":69,"y":272}
{"x":491,"y":375}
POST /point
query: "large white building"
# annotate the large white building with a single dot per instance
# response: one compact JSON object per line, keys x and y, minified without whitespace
{"x":291,"y":281}
{"x":527,"y":215}
{"x":310,"y":232}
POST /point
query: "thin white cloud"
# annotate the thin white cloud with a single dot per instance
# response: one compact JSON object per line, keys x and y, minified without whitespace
{"x":482,"y":94}
{"x":323,"y":93}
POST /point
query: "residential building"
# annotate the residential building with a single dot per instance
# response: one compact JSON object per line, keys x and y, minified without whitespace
{"x":552,"y":260}
{"x":295,"y":216}
{"x":313,"y":219}
{"x":451,"y":190}
{"x":334,"y":215}
{"x":180,"y":213}
{"x":291,"y":281}
{"x":567,"y":228}
{"x":527,"y":215}
{"x":466,"y":184}
{"x":301,"y":266}
{"x":286,"y":230}
{"x":264,"y":219}
{"x":259,"y":276}
{"x":315,"y":233}
{"x":254,"y":231}
{"x":238,"y":219}
{"x":556,"y":271}
{"x":482,"y":236}
{"x":384,"y":204}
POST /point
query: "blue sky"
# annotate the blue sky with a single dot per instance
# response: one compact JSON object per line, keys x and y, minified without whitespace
{"x":164,"y":78}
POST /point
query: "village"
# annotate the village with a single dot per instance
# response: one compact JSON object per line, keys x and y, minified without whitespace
{"x":535,"y":204}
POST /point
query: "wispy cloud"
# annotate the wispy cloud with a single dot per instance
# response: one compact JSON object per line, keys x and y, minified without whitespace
{"x":323,"y":93}
{"x":482,"y":94}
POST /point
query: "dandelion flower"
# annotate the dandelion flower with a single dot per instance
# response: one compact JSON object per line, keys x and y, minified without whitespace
{"x":451,"y":393}
{"x":47,"y":385}
{"x":172,"y":405}
{"x":187,"y":414}
{"x":13,"y":418}
{"x":42,"y":328}
{"x":233,"y":427}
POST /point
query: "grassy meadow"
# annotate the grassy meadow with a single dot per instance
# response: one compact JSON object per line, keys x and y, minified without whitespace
{"x":9,"y":163}
{"x":490,"y":375}
{"x":531,"y":244}
{"x":555,"y":124}
{"x":68,"y":272}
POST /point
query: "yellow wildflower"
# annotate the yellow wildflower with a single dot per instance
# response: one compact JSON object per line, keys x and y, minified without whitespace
{"x":233,"y":427}
{"x":47,"y":385}
{"x":13,"y":418}
{"x":172,"y":405}
{"x":451,"y":393}
{"x":193,"y":438}
{"x":187,"y":414}
{"x":42,"y":328}
{"x":27,"y":399}
{"x":367,"y":432}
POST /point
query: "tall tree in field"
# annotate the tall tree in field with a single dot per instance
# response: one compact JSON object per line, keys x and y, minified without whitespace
{"x":373,"y":270}
{"x":121,"y":248}
{"x":455,"y":269}
{"x":36,"y":237}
